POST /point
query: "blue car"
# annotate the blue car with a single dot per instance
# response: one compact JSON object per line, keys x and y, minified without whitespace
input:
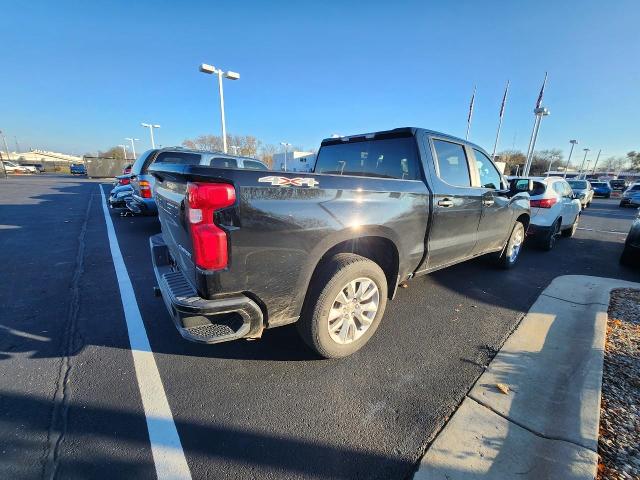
{"x":77,"y":169}
{"x":601,"y":189}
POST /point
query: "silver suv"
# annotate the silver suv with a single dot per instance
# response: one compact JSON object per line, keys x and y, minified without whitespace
{"x":142,"y":202}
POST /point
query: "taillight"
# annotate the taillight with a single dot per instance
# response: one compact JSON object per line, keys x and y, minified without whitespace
{"x":145,"y":189}
{"x":209,"y":240}
{"x":124,"y":181}
{"x":544,"y":203}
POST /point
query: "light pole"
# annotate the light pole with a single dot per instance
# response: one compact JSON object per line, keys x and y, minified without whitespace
{"x":6,"y":147}
{"x":539,"y":113}
{"x":210,"y":69}
{"x":286,"y":147}
{"x":151,"y":126}
{"x":566,"y":167}
{"x":586,"y":150}
{"x":596,"y":164}
{"x":124,"y":150}
{"x":551,"y":160}
{"x":133,"y":146}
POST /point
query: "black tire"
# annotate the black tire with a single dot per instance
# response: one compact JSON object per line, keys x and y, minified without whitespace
{"x":334,"y":275}
{"x":505,"y":260}
{"x":549,"y":241}
{"x":588,"y":204}
{"x":570,"y":232}
{"x":629,"y":257}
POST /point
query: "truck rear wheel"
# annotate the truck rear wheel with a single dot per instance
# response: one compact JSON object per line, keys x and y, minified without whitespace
{"x":346,"y":302}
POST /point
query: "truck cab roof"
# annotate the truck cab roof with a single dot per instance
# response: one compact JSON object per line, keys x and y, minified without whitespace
{"x":397,"y":132}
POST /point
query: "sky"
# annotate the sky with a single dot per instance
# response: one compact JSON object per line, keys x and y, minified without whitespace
{"x":80,"y":76}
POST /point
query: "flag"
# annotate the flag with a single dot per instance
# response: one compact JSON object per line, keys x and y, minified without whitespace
{"x":473,"y":97}
{"x":504,"y":99}
{"x":539,"y":102}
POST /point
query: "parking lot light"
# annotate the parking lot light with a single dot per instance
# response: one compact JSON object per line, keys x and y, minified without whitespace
{"x":286,"y":147}
{"x":586,"y":150}
{"x":210,"y":69}
{"x":151,"y":126}
{"x":124,"y":150}
{"x":133,"y":146}
{"x":566,"y":167}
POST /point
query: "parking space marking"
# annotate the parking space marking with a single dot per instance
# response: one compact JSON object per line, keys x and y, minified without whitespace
{"x":166,"y":448}
{"x":601,"y":231}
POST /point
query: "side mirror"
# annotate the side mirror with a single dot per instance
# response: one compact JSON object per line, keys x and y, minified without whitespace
{"x":519,"y":185}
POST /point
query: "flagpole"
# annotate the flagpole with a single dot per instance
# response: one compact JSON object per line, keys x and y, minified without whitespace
{"x":504,"y":101}
{"x":473,"y":97}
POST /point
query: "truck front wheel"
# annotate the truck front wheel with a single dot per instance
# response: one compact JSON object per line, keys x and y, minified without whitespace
{"x":346,"y":302}
{"x":511,"y":252}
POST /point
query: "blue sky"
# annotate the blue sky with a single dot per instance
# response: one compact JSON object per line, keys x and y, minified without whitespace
{"x":80,"y":76}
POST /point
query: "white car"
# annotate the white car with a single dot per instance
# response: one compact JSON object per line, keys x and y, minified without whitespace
{"x":11,"y":167}
{"x":555,"y":210}
{"x":583,"y":190}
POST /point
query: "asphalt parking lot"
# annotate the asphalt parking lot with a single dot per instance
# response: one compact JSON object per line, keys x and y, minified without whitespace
{"x":70,"y":406}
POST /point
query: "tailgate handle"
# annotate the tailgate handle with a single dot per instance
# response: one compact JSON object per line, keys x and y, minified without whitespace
{"x":446,"y":202}
{"x":488,"y":203}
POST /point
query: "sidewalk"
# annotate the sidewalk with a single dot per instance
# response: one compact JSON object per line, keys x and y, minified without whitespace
{"x":546,"y":426}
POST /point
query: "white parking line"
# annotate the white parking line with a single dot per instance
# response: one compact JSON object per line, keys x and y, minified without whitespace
{"x":168,"y":455}
{"x":601,"y":231}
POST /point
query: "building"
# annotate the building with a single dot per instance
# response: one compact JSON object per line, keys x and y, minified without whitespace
{"x":296,"y":161}
{"x":35,"y":157}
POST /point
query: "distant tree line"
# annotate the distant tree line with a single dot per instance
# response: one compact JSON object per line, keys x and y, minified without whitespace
{"x":553,"y":159}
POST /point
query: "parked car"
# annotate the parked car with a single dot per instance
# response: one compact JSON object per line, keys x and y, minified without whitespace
{"x":583,"y":190}
{"x":601,"y":189}
{"x":555,"y":210}
{"x":618,"y":184}
{"x":631,"y":252}
{"x":119,"y":195}
{"x":142,"y":202}
{"x":11,"y":167}
{"x":244,"y":250}
{"x":78,"y":169}
{"x":29,"y":169}
{"x":631,"y":196}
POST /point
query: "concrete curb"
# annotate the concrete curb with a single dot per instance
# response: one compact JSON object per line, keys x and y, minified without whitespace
{"x":547,"y":425}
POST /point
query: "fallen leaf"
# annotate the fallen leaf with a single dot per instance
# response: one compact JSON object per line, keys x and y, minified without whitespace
{"x":503,"y":388}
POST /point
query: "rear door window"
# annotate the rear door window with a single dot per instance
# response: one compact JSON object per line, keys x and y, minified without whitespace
{"x":180,"y":158}
{"x":222,"y":162}
{"x":453,"y":166}
{"x":385,"y":157}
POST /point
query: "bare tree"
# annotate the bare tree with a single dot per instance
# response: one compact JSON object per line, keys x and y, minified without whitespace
{"x":266,"y":153}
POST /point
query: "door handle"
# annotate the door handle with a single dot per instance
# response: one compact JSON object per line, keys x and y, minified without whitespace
{"x":445,"y":202}
{"x":488,"y":203}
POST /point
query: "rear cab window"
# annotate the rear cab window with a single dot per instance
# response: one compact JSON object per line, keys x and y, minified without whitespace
{"x":223,"y":162}
{"x":180,"y":158}
{"x":248,"y":164}
{"x":394,"y":157}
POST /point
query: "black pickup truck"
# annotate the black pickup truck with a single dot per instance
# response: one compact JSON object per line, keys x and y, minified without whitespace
{"x":241,"y":250}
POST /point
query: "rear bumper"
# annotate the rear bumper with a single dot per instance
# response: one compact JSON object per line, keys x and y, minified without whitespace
{"x":142,"y":206}
{"x":538,"y":231}
{"x":197,"y":319}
